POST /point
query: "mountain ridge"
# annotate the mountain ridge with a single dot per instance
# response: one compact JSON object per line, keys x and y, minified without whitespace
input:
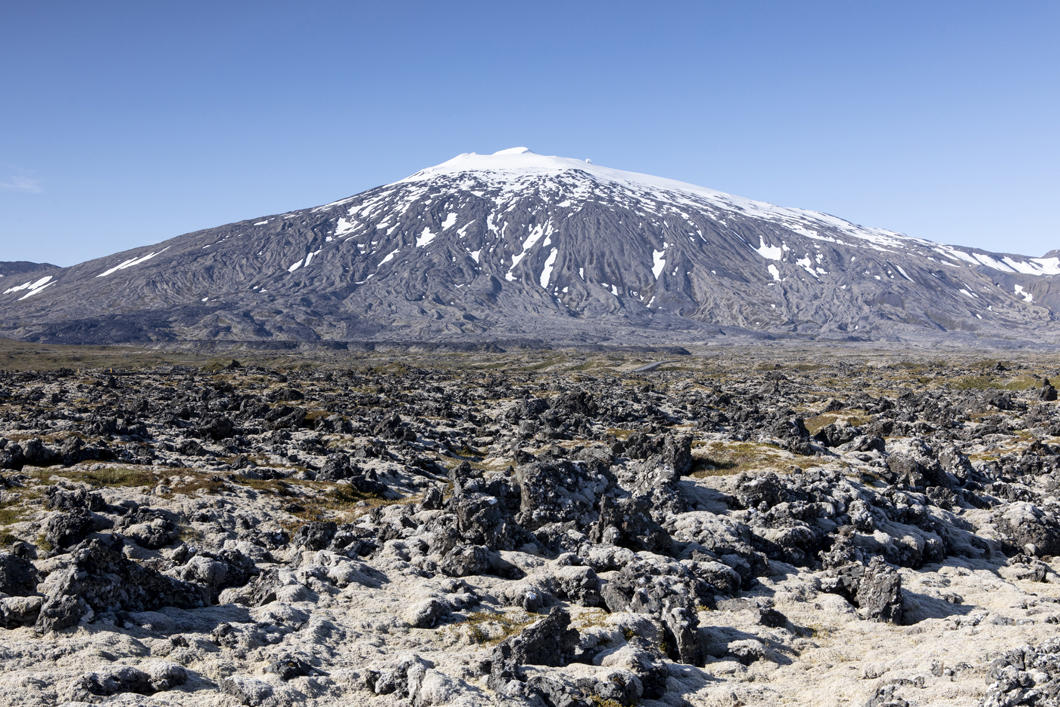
{"x":524,"y":246}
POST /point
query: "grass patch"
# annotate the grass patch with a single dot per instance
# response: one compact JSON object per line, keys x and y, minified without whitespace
{"x":590,"y":618}
{"x":817,"y":423}
{"x":115,"y":477}
{"x":191,"y":483}
{"x":489,"y":628}
{"x":598,"y":701}
{"x":319,"y":500}
{"x":11,"y":514}
{"x":724,"y":458}
{"x":189,"y":534}
{"x":43,"y":543}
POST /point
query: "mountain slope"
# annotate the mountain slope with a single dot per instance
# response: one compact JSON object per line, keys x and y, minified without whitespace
{"x":518,"y":245}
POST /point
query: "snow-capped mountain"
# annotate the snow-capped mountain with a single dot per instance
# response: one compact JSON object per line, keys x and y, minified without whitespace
{"x":516,"y":245}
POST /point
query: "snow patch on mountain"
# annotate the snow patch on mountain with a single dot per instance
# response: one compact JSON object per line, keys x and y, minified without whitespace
{"x":425,"y":238}
{"x":1035,"y":266}
{"x":658,"y":258}
{"x":536,"y":233}
{"x":769,"y":252}
{"x":33,"y":287}
{"x":546,"y":272}
{"x":131,"y":262}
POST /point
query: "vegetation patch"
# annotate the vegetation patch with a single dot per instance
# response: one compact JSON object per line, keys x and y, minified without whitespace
{"x":319,"y":500}
{"x":114,"y":476}
{"x":11,"y":511}
{"x":490,"y":628}
{"x":724,"y":458}
{"x":852,"y":417}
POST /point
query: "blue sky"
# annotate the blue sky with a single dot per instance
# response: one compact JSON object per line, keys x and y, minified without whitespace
{"x":125,"y":123}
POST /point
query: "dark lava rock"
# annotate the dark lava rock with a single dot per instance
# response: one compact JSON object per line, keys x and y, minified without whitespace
{"x":759,"y":491}
{"x":19,"y":611}
{"x":627,"y":522}
{"x":150,"y":528}
{"x":117,"y":680}
{"x":675,"y":451}
{"x":549,"y":642}
{"x":60,"y":499}
{"x":217,"y":428}
{"x":1029,"y":675}
{"x":1029,"y":528}
{"x":558,"y":492}
{"x":879,"y":595}
{"x":289,"y":667}
{"x":876,"y":589}
{"x":18,"y":577}
{"x":394,"y":679}
{"x":98,"y":577}
{"x":69,"y":527}
{"x":248,"y":691}
{"x":316,"y":535}
{"x":668,"y":591}
{"x":484,"y":519}
{"x":468,"y":560}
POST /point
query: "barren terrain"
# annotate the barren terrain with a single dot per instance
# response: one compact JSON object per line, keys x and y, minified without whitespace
{"x":776,"y":525}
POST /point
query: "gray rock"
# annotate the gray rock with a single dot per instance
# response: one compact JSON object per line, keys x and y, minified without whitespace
{"x":549,"y":641}
{"x":165,"y":676}
{"x":426,"y":613}
{"x":19,"y":611}
{"x":247,"y":691}
{"x":116,"y":680}
{"x":68,"y":528}
{"x":879,"y":594}
{"x":18,"y":576}
{"x":98,"y":577}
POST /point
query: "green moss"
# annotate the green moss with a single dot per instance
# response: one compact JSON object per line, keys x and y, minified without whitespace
{"x":724,"y":458}
{"x":9,"y":515}
{"x":852,"y":417}
{"x":192,"y":483}
{"x":598,"y":701}
{"x":44,"y":544}
{"x":318,"y":500}
{"x":115,"y":477}
{"x":503,"y":625}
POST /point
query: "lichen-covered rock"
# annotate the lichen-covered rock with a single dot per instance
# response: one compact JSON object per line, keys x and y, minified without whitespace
{"x":97,"y":578}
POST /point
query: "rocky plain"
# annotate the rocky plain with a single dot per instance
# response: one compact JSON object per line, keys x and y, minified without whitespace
{"x":737,"y":526}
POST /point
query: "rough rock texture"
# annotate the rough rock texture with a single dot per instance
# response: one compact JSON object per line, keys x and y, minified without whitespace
{"x":531,"y":528}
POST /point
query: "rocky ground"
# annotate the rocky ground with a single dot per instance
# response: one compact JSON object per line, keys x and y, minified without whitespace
{"x":732,"y":527}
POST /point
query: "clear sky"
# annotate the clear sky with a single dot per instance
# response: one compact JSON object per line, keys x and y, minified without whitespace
{"x":125,"y":123}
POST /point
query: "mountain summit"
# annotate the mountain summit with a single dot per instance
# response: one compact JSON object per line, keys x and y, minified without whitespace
{"x":519,"y":246}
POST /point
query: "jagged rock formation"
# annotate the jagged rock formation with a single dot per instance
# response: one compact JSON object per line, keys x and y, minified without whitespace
{"x":735,"y":530}
{"x":517,"y":245}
